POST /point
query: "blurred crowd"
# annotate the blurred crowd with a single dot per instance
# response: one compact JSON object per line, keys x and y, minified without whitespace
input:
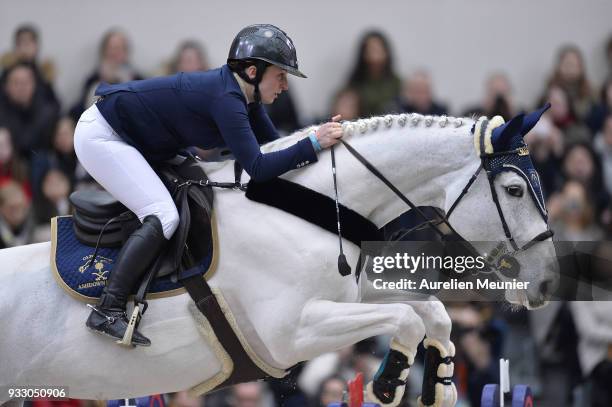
{"x":564,"y":351}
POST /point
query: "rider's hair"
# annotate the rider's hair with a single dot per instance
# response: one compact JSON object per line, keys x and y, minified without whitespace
{"x":239,"y":65}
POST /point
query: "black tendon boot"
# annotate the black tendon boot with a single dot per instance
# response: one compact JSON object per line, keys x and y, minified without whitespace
{"x":134,"y":259}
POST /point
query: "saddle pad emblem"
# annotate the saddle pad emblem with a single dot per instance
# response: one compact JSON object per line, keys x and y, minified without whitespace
{"x":100,"y":269}
{"x":72,"y":268}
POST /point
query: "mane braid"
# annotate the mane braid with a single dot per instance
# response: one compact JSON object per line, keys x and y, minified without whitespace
{"x":362,"y":126}
{"x":371,"y":124}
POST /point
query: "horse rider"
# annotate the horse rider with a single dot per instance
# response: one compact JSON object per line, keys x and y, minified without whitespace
{"x":137,"y":123}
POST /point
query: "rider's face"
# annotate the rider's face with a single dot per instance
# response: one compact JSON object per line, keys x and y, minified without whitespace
{"x":274,"y":82}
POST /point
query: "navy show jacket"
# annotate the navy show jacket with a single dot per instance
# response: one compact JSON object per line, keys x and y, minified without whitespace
{"x":161,"y":116}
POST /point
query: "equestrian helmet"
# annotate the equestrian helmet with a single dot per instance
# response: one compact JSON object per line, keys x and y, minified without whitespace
{"x":265,"y":42}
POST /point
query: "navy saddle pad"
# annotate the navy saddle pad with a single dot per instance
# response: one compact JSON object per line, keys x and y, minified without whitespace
{"x":70,"y":263}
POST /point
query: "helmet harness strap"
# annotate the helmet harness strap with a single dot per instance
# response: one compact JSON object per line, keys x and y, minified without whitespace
{"x":261,"y":67}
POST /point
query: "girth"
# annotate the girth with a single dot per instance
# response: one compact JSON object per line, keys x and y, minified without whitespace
{"x":245,"y":370}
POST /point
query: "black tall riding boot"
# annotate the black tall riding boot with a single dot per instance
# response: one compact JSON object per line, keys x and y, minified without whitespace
{"x":134,"y":259}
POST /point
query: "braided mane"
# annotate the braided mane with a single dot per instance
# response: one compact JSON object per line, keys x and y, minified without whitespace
{"x":376,"y":123}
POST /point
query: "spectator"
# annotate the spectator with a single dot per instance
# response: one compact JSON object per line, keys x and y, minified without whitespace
{"x":373,"y":76}
{"x":603,"y":146}
{"x":564,"y":117}
{"x":572,"y":215}
{"x":609,"y":56}
{"x":346,"y":103}
{"x":519,"y":345}
{"x":12,"y":168}
{"x":60,"y":156}
{"x":189,"y":57}
{"x":417,"y":96}
{"x":346,"y":363}
{"x":364,"y":359}
{"x":554,"y":331}
{"x":581,"y":163}
{"x":53,"y":200}
{"x":318,"y":369}
{"x":497,"y":99}
{"x":24,"y":112}
{"x":343,"y":364}
{"x":247,"y":395}
{"x":113,"y":67}
{"x":570,"y":75}
{"x":183,"y":399}
{"x":594,"y":322}
{"x":478,"y":337}
{"x":602,"y":109}
{"x":26,"y":49}
{"x":331,"y":390}
{"x":16,"y":222}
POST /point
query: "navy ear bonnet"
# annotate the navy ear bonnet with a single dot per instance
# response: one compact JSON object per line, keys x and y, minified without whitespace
{"x":502,"y":148}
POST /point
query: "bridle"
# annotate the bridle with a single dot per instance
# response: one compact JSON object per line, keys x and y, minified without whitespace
{"x":505,"y":259}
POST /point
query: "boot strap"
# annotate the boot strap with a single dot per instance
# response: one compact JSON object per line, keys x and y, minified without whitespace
{"x":109,"y":319}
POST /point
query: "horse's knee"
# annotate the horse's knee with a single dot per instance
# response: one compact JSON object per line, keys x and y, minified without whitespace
{"x":410,"y":327}
{"x":439,"y":322}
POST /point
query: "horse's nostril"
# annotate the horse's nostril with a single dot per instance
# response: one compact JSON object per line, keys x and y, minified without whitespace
{"x":546,"y":287}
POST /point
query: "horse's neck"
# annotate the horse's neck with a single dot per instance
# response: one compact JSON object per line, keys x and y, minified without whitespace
{"x":430,"y":165}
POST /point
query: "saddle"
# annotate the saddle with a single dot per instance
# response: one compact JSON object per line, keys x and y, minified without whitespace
{"x":100,"y":221}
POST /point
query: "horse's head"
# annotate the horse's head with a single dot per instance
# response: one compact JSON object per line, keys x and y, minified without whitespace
{"x":505,"y":204}
{"x":428,"y":160}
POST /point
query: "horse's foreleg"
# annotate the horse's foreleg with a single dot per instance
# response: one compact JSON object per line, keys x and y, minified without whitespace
{"x":326,"y":326}
{"x":438,"y":390}
{"x":430,"y":309}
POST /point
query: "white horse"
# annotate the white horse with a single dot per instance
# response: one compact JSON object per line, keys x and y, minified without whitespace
{"x":278,"y":274}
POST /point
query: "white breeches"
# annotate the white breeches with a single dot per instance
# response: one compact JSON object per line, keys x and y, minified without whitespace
{"x":122,"y":170}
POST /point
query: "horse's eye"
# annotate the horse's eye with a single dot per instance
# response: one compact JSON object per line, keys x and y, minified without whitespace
{"x":515,"y":190}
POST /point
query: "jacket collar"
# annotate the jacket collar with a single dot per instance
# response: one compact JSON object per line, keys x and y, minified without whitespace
{"x":238,"y":83}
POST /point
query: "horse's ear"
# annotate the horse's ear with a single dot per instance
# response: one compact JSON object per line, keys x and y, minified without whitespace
{"x":532,"y":118}
{"x":501,"y":136}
